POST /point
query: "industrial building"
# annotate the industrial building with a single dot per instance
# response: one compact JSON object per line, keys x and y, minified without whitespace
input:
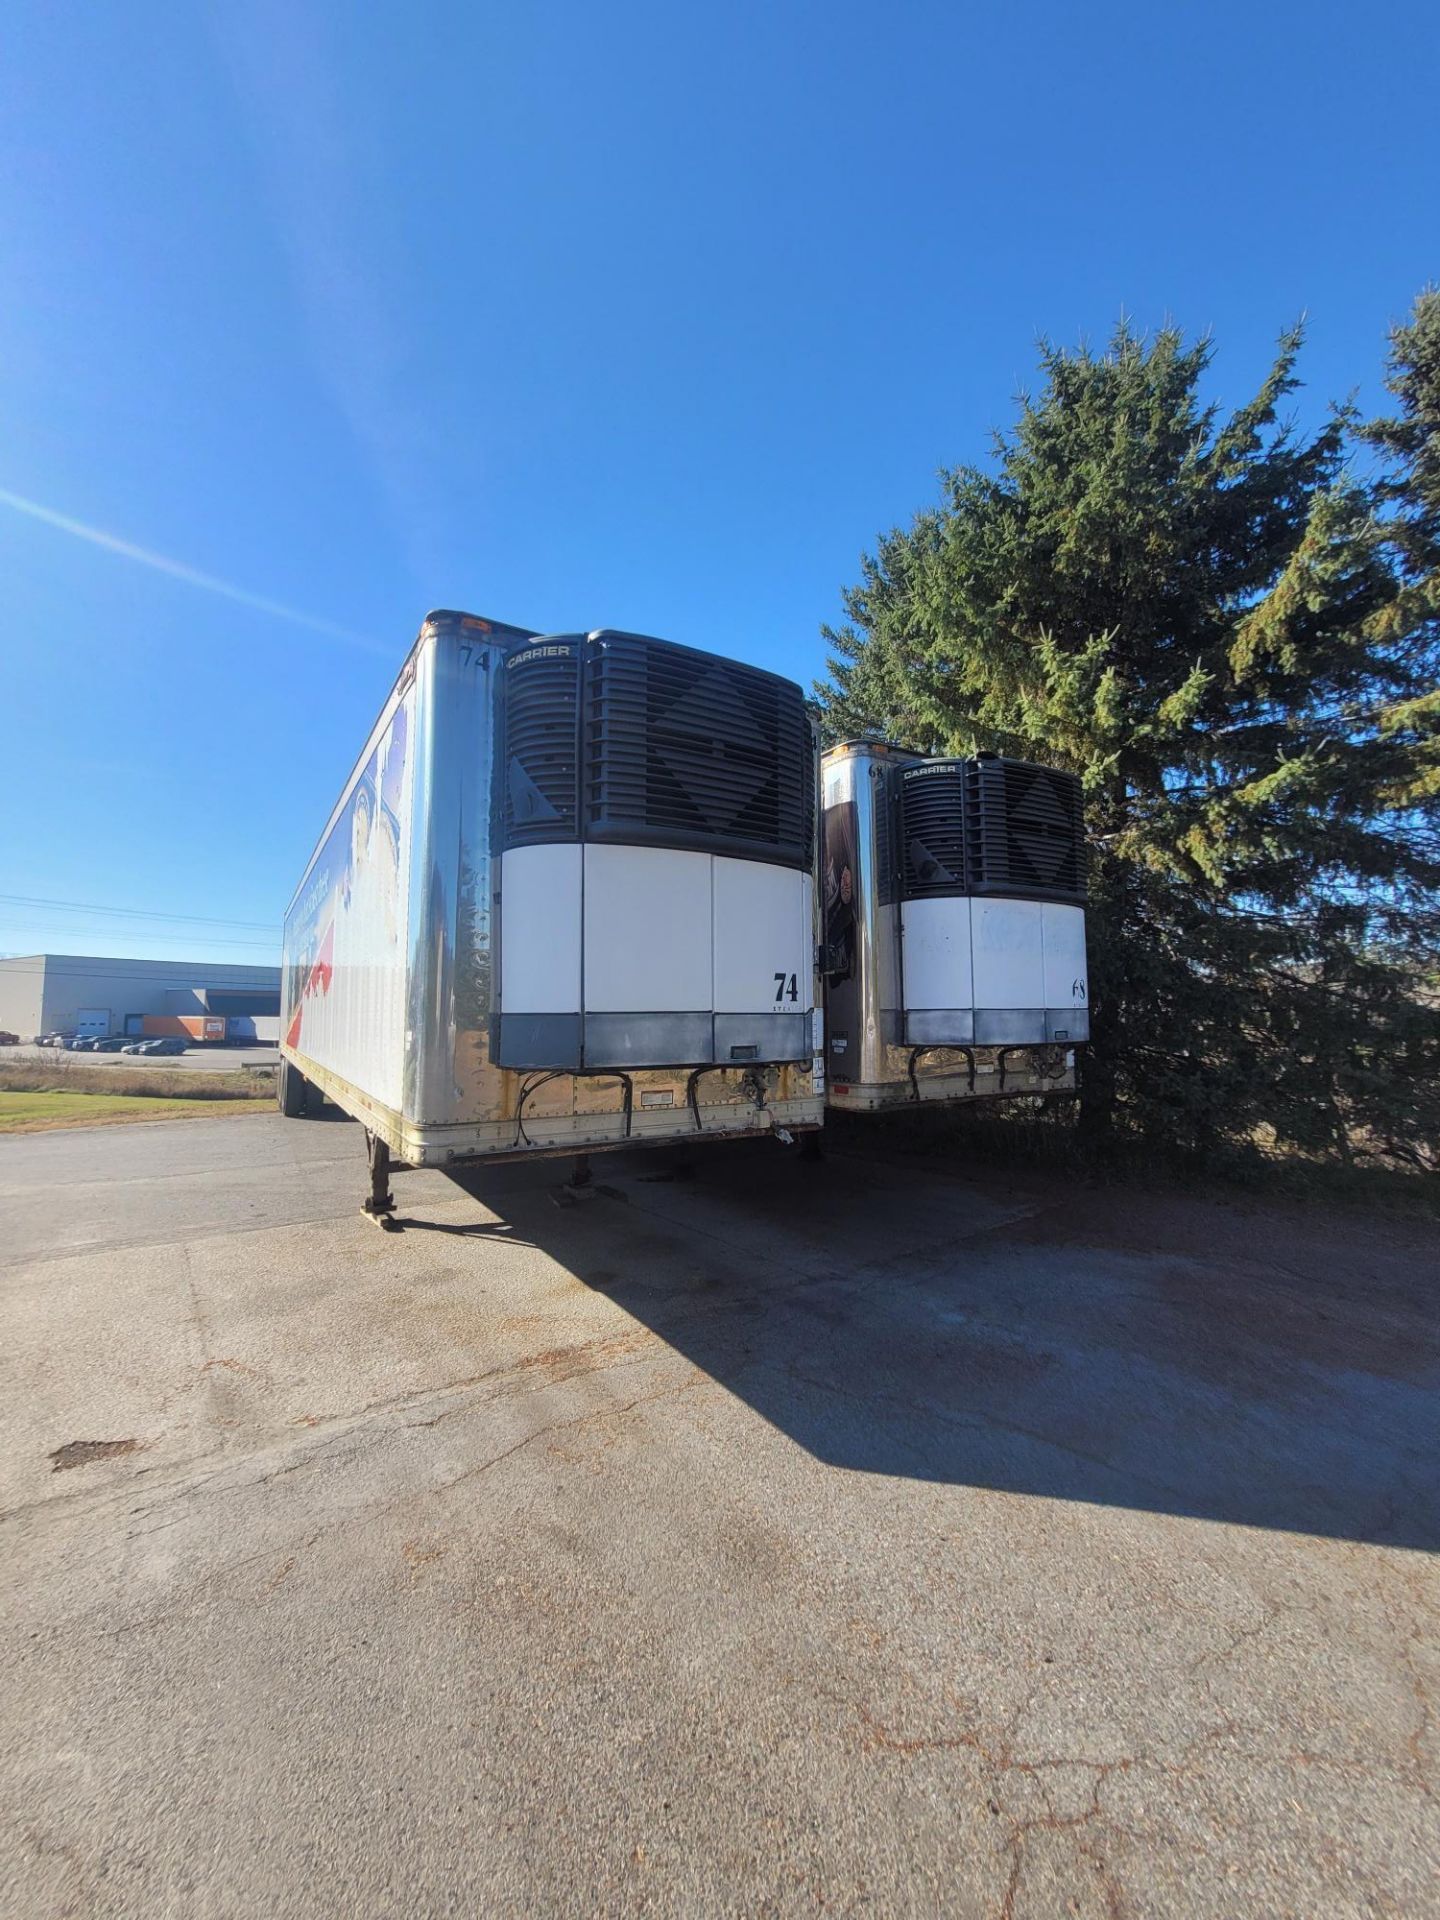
{"x":81,"y":993}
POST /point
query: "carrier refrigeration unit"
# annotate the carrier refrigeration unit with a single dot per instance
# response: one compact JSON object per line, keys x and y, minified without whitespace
{"x":954,"y":935}
{"x":566,"y":901}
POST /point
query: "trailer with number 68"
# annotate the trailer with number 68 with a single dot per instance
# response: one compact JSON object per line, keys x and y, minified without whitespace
{"x":954,"y":896}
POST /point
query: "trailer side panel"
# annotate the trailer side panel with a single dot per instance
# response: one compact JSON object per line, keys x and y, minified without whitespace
{"x":346,"y":936}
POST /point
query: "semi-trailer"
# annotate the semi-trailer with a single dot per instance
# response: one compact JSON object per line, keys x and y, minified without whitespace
{"x":565,"y":902}
{"x":954,"y":927}
{"x":590,"y":890}
{"x":206,"y":1029}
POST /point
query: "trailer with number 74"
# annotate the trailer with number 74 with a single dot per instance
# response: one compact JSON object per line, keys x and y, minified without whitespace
{"x":566,"y":901}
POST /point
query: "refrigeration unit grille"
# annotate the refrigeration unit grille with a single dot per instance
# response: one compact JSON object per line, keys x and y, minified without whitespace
{"x":686,"y":749}
{"x":932,"y":830}
{"x":1025,"y":831}
{"x":542,"y":708}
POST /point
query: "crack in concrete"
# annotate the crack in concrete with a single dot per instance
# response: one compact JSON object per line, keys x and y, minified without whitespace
{"x":528,"y":1375}
{"x":1000,"y":1762}
{"x":373,"y":1510}
{"x":1092,"y":1824}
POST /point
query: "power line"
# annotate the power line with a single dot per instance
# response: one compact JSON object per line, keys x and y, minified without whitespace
{"x":150,"y":939}
{"x":133,"y":913}
{"x":29,"y":943}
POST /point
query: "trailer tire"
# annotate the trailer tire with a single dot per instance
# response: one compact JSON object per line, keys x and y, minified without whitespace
{"x":293,"y":1091}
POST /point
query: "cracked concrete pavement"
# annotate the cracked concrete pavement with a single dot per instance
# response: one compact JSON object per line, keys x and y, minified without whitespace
{"x":777,"y":1539}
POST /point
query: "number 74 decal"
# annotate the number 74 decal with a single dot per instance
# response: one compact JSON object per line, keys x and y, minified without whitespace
{"x":786,"y":988}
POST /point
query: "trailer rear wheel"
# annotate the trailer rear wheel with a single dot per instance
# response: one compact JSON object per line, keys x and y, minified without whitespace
{"x":293,"y":1091}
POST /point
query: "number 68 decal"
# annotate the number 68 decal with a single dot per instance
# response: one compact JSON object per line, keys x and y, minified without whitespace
{"x":786,"y":988}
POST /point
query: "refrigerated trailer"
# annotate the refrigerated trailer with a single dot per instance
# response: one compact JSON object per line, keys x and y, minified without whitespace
{"x":565,"y":902}
{"x":954,"y":897}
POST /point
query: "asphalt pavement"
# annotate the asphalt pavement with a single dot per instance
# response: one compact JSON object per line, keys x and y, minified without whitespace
{"x":756,"y":1537}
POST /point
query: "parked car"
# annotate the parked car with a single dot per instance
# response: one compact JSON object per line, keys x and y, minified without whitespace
{"x":167,"y":1043}
{"x":53,"y":1039}
{"x":87,"y":1043}
{"x":113,"y":1043}
{"x":8,"y":1039}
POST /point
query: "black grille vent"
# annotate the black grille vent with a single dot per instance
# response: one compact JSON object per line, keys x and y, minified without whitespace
{"x":687,"y":749}
{"x":932,"y":829}
{"x":1025,"y":831}
{"x":542,"y":709}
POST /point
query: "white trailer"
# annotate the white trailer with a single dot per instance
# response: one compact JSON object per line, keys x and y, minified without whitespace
{"x":565,"y":902}
{"x":954,"y":927}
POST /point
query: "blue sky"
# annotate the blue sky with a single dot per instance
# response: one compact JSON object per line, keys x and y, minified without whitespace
{"x":576,"y":314}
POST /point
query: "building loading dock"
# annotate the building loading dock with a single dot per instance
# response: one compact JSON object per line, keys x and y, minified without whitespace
{"x":83,"y":993}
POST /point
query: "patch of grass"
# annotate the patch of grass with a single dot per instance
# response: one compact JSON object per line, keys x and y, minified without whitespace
{"x":67,"y":1075}
{"x":40,"y":1110}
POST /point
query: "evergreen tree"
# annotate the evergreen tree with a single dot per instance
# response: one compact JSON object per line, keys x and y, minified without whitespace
{"x":1409,"y":493}
{"x":1233,"y":640}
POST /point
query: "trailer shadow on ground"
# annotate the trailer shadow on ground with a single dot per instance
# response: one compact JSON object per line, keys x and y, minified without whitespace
{"x":1232,"y":1362}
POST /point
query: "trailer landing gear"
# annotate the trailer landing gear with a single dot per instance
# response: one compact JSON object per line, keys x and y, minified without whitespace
{"x":580,"y":1186}
{"x":380,"y":1207}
